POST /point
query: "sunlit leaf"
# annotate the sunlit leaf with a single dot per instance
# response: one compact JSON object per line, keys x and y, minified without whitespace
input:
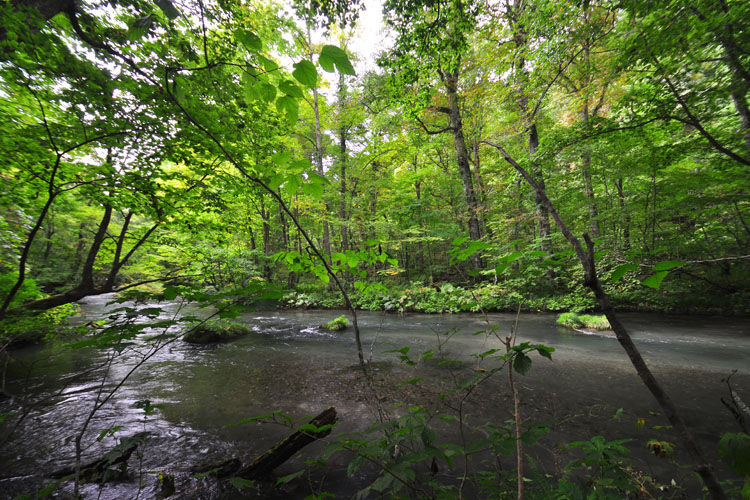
{"x":620,"y":271}
{"x":289,"y":106}
{"x":654,"y":281}
{"x":305,"y":73}
{"x":290,"y":88}
{"x":667,"y":265}
{"x":331,"y":56}
{"x":250,"y":40}
{"x":314,"y":190}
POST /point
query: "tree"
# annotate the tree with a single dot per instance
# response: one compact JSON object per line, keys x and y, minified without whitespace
{"x":423,"y":53}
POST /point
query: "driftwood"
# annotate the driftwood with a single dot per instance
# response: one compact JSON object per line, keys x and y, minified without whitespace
{"x":289,"y":446}
{"x":221,"y":470}
{"x":112,"y":465}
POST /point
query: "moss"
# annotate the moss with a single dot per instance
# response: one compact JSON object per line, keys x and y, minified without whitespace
{"x":588,"y":321}
{"x":216,"y":331}
{"x":337,"y":324}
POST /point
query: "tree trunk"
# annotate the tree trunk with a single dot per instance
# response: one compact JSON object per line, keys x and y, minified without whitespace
{"x":521,"y":41}
{"x":319,"y":155}
{"x":625,"y":224}
{"x":482,"y":188}
{"x":462,"y":156}
{"x":343,"y":129}
{"x":588,"y":188}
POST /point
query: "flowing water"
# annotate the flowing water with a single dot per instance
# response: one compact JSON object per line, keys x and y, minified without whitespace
{"x":291,"y":365}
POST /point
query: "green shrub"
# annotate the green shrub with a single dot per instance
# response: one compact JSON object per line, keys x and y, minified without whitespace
{"x":337,"y":324}
{"x":216,"y":331}
{"x":589,"y":321}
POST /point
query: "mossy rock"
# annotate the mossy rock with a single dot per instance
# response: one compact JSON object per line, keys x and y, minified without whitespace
{"x":587,"y":321}
{"x":338,"y":324}
{"x":216,"y":331}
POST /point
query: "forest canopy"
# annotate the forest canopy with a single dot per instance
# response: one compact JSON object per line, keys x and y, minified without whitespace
{"x":221,"y":144}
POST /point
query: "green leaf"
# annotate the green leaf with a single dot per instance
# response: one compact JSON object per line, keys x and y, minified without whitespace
{"x":382,"y":482}
{"x":314,"y":190}
{"x":545,"y":351}
{"x":170,"y":293}
{"x":168,"y":8}
{"x":305,"y":73}
{"x":240,"y":483}
{"x":734,"y":450}
{"x":412,"y":381}
{"x":331,"y":55}
{"x":250,"y":40}
{"x":403,"y":350}
{"x":318,"y":179}
{"x":282,"y":158}
{"x":267,"y":63}
{"x":667,"y":265}
{"x":289,"y":106}
{"x":292,"y":184}
{"x":139,"y":27}
{"x":620,"y":271}
{"x":522,"y":363}
{"x":654,"y":281}
{"x":300,"y":166}
{"x":267,"y":91}
{"x":428,"y":436}
{"x":250,"y":92}
{"x":290,"y":88}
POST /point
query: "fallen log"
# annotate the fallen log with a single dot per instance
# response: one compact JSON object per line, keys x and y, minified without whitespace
{"x":220,"y":470}
{"x":112,"y":465}
{"x":318,"y":427}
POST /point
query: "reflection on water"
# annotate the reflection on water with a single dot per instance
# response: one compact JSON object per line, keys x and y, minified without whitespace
{"x":290,"y":364}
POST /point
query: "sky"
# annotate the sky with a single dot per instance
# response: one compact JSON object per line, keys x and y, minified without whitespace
{"x":370,"y":37}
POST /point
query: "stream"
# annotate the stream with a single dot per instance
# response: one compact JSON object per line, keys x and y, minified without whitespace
{"x":291,"y":365}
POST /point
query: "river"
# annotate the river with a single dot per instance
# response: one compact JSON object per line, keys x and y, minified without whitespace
{"x":290,"y":365}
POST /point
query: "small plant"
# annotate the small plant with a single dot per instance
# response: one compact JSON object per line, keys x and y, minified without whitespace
{"x":589,"y":321}
{"x":216,"y":331}
{"x":337,"y":324}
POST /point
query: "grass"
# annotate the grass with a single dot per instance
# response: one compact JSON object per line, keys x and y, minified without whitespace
{"x":588,"y":321}
{"x":216,"y":331}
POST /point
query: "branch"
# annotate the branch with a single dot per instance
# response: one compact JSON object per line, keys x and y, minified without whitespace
{"x":433,"y":132}
{"x":439,"y":109}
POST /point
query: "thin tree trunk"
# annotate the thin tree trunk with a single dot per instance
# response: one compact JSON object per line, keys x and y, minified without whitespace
{"x":319,"y":154}
{"x":588,"y":188}
{"x":591,"y":280}
{"x":51,"y":195}
{"x":625,"y":215}
{"x":482,"y":188}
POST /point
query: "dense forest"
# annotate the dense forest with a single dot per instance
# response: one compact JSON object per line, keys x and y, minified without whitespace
{"x":536,"y":155}
{"x":209,"y":145}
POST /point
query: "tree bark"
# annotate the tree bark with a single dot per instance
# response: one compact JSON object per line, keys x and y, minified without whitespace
{"x":450,"y":82}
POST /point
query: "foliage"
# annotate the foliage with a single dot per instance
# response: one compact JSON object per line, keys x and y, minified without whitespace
{"x":338,"y":324}
{"x":589,"y":321}
{"x":216,"y":331}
